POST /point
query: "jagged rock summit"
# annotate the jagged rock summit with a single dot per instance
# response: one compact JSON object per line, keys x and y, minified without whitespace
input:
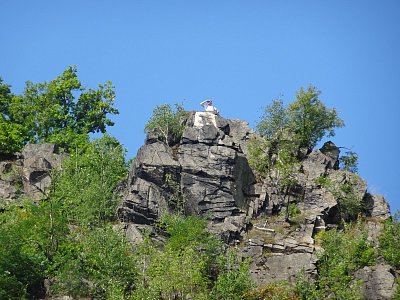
{"x":207,"y":173}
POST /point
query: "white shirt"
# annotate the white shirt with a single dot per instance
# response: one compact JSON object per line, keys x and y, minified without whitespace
{"x":211,"y":108}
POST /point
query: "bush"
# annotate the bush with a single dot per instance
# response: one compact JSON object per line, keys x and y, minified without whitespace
{"x":389,"y":242}
{"x":307,"y":118}
{"x":192,"y":263}
{"x":344,"y":252}
{"x":168,"y":122}
{"x":85,"y":186}
{"x":349,"y":162}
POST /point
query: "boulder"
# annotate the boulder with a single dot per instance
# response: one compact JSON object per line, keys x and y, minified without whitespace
{"x":377,"y":206}
{"x":378,"y":282}
{"x":38,"y":161}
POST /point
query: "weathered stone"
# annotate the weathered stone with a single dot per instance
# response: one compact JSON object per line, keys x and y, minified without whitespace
{"x":330,"y":150}
{"x":274,"y":268}
{"x":38,"y":160}
{"x":378,"y":282}
{"x":377,"y":206}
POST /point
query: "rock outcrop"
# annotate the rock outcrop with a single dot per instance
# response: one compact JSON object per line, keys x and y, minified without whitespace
{"x":207,"y":173}
{"x":28,"y":174}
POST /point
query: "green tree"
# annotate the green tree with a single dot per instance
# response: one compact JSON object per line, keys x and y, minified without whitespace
{"x":97,"y":263}
{"x":349,"y":161}
{"x":310,"y":119}
{"x":60,"y":111}
{"x":29,"y":241}
{"x":12,"y":135}
{"x":168,"y":122}
{"x":344,"y":252}
{"x":192,"y":262}
{"x":307,"y":119}
{"x":389,"y":242}
{"x":86,"y":184}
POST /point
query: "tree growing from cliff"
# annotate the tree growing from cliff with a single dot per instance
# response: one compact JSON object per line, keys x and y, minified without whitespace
{"x":286,"y":130}
{"x":60,"y":111}
{"x":307,"y":119}
{"x":167,"y":122}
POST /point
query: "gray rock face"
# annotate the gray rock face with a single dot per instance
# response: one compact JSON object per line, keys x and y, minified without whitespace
{"x":38,"y":160}
{"x":208,"y":174}
{"x":377,"y":206}
{"x":378,"y":282}
{"x":28,"y":174}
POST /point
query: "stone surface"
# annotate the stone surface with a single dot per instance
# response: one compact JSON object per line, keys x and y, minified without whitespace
{"x":377,"y":206}
{"x":207,"y":172}
{"x":28,"y":174}
{"x":38,"y":160}
{"x":378,"y":282}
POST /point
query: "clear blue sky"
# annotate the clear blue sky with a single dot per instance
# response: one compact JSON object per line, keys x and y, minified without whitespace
{"x":240,"y":53}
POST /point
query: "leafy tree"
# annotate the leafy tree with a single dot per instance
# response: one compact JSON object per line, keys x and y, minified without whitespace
{"x":286,"y":130}
{"x":389,"y":242}
{"x":168,"y":122}
{"x":29,"y":241}
{"x":349,"y":161}
{"x":85,"y":187}
{"x":97,"y":263}
{"x":310,"y":119}
{"x":59,"y":111}
{"x":12,"y":135}
{"x":307,"y":119}
{"x":192,"y":262}
{"x":274,"y":120}
{"x":344,"y":252}
{"x":233,"y":280}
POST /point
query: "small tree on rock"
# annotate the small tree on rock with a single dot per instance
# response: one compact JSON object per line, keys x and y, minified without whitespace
{"x":168,"y":122}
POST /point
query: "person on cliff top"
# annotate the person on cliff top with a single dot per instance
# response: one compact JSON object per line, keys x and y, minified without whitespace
{"x":209,"y":107}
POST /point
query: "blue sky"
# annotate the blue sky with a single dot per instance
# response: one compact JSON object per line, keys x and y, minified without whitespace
{"x":240,"y":53}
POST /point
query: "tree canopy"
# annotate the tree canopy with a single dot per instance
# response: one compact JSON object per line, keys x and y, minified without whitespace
{"x":61,"y":111}
{"x":307,"y":119}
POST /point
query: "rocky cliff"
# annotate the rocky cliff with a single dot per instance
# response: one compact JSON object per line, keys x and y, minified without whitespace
{"x":207,"y":173}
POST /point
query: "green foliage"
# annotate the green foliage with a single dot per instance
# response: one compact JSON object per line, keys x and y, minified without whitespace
{"x":349,"y":161}
{"x":259,"y":158}
{"x":168,"y":122}
{"x":192,"y":262}
{"x":29,"y":240}
{"x":307,"y":118}
{"x":60,"y":111}
{"x":294,"y":210}
{"x":344,"y":252}
{"x":274,"y":120}
{"x":349,"y":203}
{"x":310,"y":119}
{"x":11,"y":133}
{"x":97,"y":263}
{"x":233,"y":279}
{"x":85,"y":186}
{"x":273,"y":291}
{"x":389,"y":242}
